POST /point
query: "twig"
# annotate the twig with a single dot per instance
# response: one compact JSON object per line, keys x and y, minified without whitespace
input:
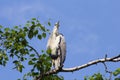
{"x":34,"y":50}
{"x":113,"y":59}
{"x":107,"y":71}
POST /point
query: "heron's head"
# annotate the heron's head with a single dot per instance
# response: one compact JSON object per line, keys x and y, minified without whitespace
{"x":56,"y":28}
{"x":57,"y":25}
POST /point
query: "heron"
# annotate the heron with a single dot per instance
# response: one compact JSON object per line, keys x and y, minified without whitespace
{"x":57,"y":46}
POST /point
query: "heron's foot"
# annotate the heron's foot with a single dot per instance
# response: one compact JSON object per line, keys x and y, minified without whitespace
{"x":60,"y":67}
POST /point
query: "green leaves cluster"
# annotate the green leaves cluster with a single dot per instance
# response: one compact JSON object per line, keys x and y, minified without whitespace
{"x":41,"y":64}
{"x":116,"y":73}
{"x":99,"y":76}
{"x":15,"y":44}
{"x":3,"y":58}
{"x":96,"y":76}
{"x":35,"y":29}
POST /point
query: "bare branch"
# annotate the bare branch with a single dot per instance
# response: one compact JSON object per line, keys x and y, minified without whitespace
{"x":113,"y":59}
{"x":107,"y":71}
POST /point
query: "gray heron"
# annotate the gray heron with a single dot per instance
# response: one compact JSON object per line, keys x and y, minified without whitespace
{"x":57,"y":45}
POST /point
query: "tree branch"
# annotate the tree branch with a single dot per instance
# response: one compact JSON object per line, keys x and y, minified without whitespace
{"x":34,"y":50}
{"x":103,"y":60}
{"x":107,"y":71}
{"x":113,"y":59}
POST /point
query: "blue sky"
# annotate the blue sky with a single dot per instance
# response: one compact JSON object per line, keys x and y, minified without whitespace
{"x":91,"y":29}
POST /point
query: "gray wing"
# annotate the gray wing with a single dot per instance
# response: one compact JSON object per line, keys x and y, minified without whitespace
{"x":62,"y":45}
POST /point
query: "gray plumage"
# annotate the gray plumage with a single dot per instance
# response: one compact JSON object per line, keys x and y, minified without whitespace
{"x":57,"y":45}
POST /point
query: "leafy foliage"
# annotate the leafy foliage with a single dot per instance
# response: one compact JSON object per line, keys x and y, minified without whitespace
{"x":96,"y":76}
{"x":3,"y":58}
{"x":15,"y":44}
{"x":116,"y":73}
{"x":99,"y":76}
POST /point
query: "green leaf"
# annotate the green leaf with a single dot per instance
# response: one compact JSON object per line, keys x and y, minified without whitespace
{"x":12,"y":55}
{"x":42,"y":28}
{"x":32,"y":55}
{"x":31,"y":62}
{"x":27,"y":25}
{"x":33,"y":18}
{"x":42,"y":51}
{"x":35,"y":73}
{"x":1,"y":32}
{"x":35,"y":32}
{"x":33,"y":22}
{"x":116,"y":72}
{"x":25,"y":29}
{"x":6,"y":29}
{"x":96,"y":76}
{"x":49,"y":23}
{"x":16,"y":62}
{"x":85,"y":78}
{"x":117,"y":78}
{"x":44,"y":35}
{"x":30,"y":34}
{"x":39,"y":37}
{"x":34,"y":59}
{"x":22,"y":59}
{"x":20,"y":67}
{"x":6,"y":58}
{"x":16,"y":27}
{"x":1,"y":26}
{"x":32,"y":27}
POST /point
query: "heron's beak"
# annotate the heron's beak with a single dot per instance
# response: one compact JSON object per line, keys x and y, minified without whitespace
{"x":57,"y":24}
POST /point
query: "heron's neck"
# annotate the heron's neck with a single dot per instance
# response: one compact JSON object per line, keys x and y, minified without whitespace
{"x":55,"y":32}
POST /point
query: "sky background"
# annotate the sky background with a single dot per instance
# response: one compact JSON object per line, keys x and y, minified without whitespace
{"x":91,"y":29}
